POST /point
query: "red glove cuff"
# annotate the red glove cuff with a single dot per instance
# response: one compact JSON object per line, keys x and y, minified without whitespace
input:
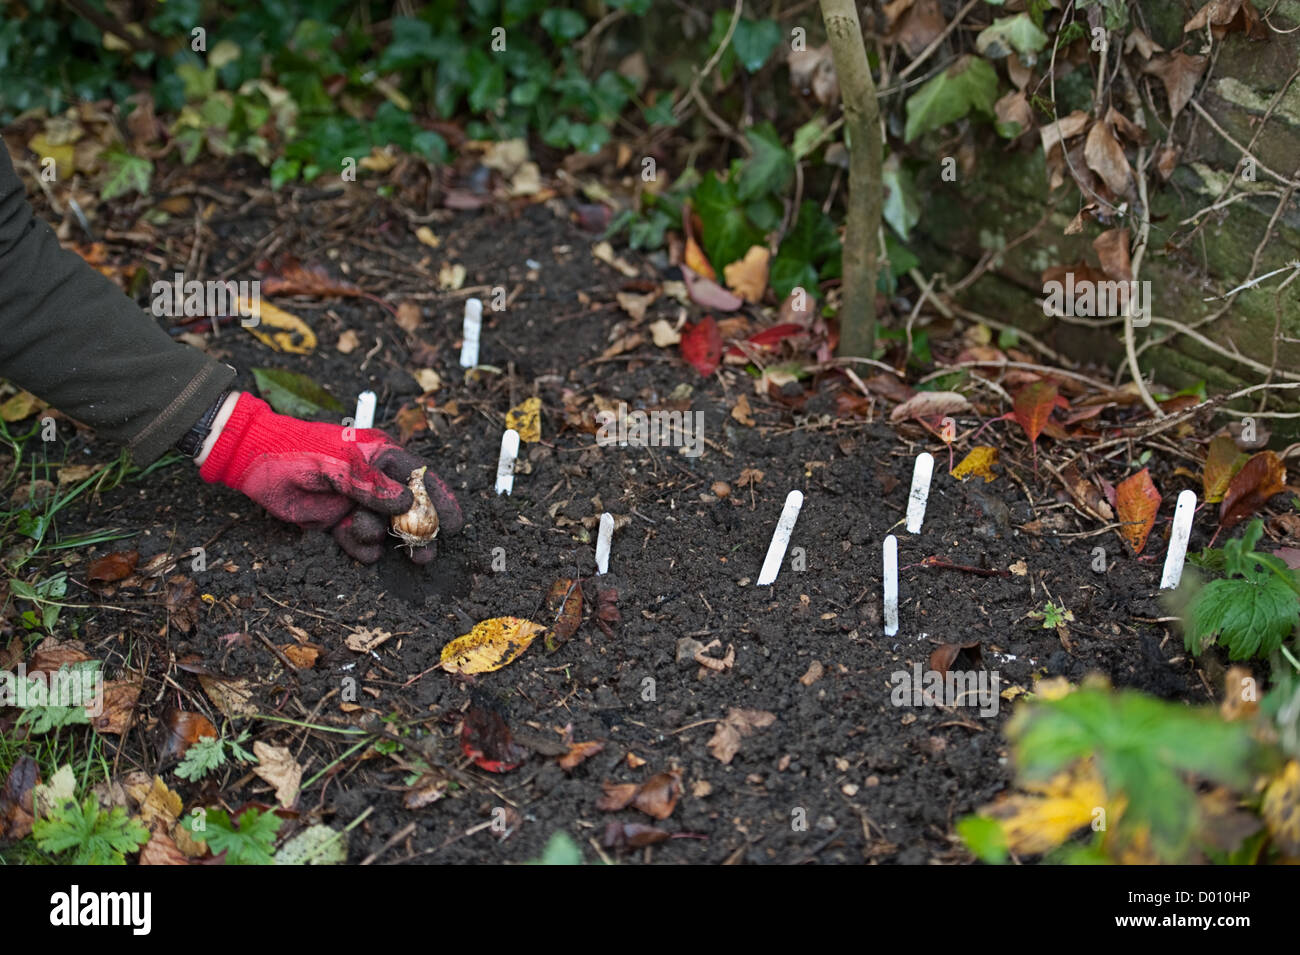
{"x":253,"y":430}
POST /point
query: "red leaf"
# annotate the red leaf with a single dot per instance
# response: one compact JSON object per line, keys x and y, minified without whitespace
{"x":1250,"y":488}
{"x":485,"y":738}
{"x":1137,"y":500}
{"x":702,"y":346}
{"x":709,"y":293}
{"x":1033,"y":406}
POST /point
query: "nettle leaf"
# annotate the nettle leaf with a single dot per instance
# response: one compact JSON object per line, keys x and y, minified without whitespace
{"x":292,"y":393}
{"x":1144,"y":748}
{"x":754,"y":41}
{"x":969,"y":84}
{"x":1250,"y":617}
{"x":769,"y":169}
{"x":1017,"y":34}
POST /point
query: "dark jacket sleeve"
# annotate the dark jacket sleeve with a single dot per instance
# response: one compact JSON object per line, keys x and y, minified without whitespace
{"x":69,"y":336}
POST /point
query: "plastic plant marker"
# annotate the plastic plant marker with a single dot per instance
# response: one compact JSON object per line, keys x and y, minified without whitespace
{"x":891,"y":585}
{"x":920,"y":493}
{"x":365,"y":416}
{"x":603,"y":539}
{"x":470,"y":335}
{"x":780,"y":538}
{"x":1178,"y":537}
{"x":506,"y":463}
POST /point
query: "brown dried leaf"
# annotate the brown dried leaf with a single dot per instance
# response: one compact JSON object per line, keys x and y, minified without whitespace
{"x":1105,"y":156}
{"x":113,"y":567}
{"x":1250,"y":488}
{"x":1136,"y":501}
{"x":1179,"y":73}
{"x":1222,"y":462}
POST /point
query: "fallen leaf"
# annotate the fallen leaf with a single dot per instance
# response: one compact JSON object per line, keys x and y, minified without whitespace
{"x":1136,"y":501}
{"x":294,"y":278}
{"x":288,"y":332}
{"x":366,"y":639}
{"x":113,"y":567}
{"x":814,"y":673}
{"x":347,"y":342}
{"x":1222,"y":462}
{"x":16,"y":809}
{"x":20,"y":406}
{"x":664,"y":334}
{"x":627,"y":836}
{"x":1281,"y":809}
{"x":748,"y":276}
{"x":409,"y":316}
{"x":710,"y":294}
{"x":695,"y":259}
{"x":738,"y":724}
{"x":1262,"y":476}
{"x":490,"y":645}
{"x":978,"y":462}
{"x":741,"y":412}
{"x":702,"y":346}
{"x":426,"y":237}
{"x":302,"y":656}
{"x":604,"y":252}
{"x":485,"y":738}
{"x":578,"y":753}
{"x":564,"y":606}
{"x":161,"y":850}
{"x":944,"y":656}
{"x":451,"y":276}
{"x":526,"y":418}
{"x":1112,"y":251}
{"x":183,"y":729}
{"x":115,"y":705}
{"x":232,"y":697}
{"x":1044,"y":818}
{"x":276,"y":765}
{"x":930,"y":404}
{"x":635,"y":305}
{"x":428,"y":380}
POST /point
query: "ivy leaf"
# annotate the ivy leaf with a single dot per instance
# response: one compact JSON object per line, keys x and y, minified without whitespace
{"x":564,"y":24}
{"x":754,"y":41}
{"x":292,"y":393}
{"x":1016,"y":34}
{"x":900,"y":210}
{"x":768,"y":170}
{"x":970,"y":83}
{"x":126,"y":173}
{"x":809,"y":251}
{"x":727,"y":232}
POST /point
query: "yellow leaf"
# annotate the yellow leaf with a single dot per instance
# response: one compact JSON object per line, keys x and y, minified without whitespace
{"x":20,"y":406}
{"x":526,"y":418}
{"x":61,"y":153}
{"x":697,"y":261}
{"x":747,"y":277}
{"x":1044,"y":818}
{"x":293,"y":333}
{"x":491,"y":645}
{"x":427,"y":237}
{"x":978,"y":463}
{"x":1281,"y":808}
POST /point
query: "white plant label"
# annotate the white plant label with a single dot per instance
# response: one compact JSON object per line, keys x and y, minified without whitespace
{"x":506,"y":463}
{"x":603,"y":539}
{"x":780,"y":538}
{"x":365,"y":416}
{"x":473,"y":328}
{"x":891,"y":585}
{"x":1178,"y":537}
{"x":921,"y":475}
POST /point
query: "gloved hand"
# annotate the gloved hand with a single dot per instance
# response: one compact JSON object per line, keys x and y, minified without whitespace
{"x":321,"y":476}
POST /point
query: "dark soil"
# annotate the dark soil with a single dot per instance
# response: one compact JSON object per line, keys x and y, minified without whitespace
{"x":875,"y":782}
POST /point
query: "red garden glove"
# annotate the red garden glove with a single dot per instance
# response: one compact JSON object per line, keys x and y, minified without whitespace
{"x":321,"y":476}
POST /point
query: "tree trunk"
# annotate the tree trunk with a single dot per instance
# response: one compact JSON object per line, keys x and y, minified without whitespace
{"x":862,"y":134}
